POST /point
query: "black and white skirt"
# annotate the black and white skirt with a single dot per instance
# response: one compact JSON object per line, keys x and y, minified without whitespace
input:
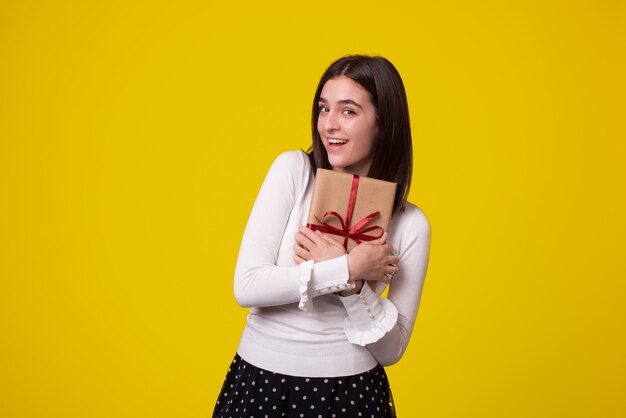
{"x":250,"y":392}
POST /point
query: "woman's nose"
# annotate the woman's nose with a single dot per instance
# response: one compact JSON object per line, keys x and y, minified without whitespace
{"x":331,"y":122}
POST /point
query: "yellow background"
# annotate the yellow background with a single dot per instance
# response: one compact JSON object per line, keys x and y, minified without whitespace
{"x":134,"y":137}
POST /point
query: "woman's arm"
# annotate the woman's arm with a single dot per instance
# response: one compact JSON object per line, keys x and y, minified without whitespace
{"x":384,"y":326}
{"x":258,"y":280}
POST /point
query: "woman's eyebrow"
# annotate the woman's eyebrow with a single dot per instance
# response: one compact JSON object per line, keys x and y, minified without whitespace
{"x":344,"y":101}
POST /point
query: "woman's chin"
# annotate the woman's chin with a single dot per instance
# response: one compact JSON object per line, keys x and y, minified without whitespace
{"x":338,"y":165}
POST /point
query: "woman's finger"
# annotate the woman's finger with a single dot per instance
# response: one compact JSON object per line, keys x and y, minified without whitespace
{"x":329,"y":240}
{"x":391,"y":270}
{"x":298,"y":259}
{"x":302,"y":252}
{"x":392,"y":259}
{"x":304,"y":240}
{"x":311,"y":235}
{"x":388,"y":248}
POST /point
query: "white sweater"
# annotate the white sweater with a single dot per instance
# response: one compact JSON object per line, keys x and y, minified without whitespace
{"x":297,"y":325}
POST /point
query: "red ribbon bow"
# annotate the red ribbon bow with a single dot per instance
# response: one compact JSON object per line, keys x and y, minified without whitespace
{"x":356,"y":233}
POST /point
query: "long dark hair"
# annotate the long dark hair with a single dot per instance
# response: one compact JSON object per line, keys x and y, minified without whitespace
{"x":393,"y":152}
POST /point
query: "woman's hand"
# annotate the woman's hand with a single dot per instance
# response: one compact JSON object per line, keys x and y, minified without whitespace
{"x":372,"y":260}
{"x":314,"y":245}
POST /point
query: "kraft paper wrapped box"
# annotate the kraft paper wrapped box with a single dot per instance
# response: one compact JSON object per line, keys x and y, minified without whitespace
{"x":350,"y":208}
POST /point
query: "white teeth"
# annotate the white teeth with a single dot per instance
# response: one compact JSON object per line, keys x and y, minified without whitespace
{"x":337,"y":141}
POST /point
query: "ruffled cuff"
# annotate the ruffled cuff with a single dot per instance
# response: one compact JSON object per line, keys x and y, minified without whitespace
{"x":369,"y":317}
{"x":304,"y":276}
{"x":330,"y":276}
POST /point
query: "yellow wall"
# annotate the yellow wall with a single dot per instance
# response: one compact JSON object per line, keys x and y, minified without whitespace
{"x":133,"y":138}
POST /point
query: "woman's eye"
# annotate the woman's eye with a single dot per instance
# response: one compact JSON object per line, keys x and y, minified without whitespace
{"x":349,"y":112}
{"x":323,"y":109}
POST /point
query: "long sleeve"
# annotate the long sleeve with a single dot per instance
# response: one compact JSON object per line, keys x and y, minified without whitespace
{"x":384,"y":325}
{"x":259,"y":280}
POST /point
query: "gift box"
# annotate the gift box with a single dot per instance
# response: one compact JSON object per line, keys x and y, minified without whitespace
{"x":350,"y":208}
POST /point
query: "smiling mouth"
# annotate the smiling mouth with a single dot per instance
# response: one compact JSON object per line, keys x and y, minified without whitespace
{"x":336,"y":141}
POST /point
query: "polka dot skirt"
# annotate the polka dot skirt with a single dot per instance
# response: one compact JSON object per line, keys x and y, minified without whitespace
{"x":250,"y":392}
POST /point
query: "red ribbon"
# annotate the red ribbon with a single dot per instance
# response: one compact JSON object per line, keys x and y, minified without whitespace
{"x":357,"y":233}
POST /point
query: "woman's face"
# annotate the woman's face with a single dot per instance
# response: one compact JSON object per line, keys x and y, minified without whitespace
{"x":348,"y":125}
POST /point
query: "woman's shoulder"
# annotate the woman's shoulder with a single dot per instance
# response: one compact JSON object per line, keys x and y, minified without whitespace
{"x":412,"y":220}
{"x":290,"y":169}
{"x":295,"y":161}
{"x":295,"y":158}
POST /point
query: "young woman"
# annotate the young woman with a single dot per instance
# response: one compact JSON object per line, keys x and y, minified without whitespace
{"x":317,"y":337}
